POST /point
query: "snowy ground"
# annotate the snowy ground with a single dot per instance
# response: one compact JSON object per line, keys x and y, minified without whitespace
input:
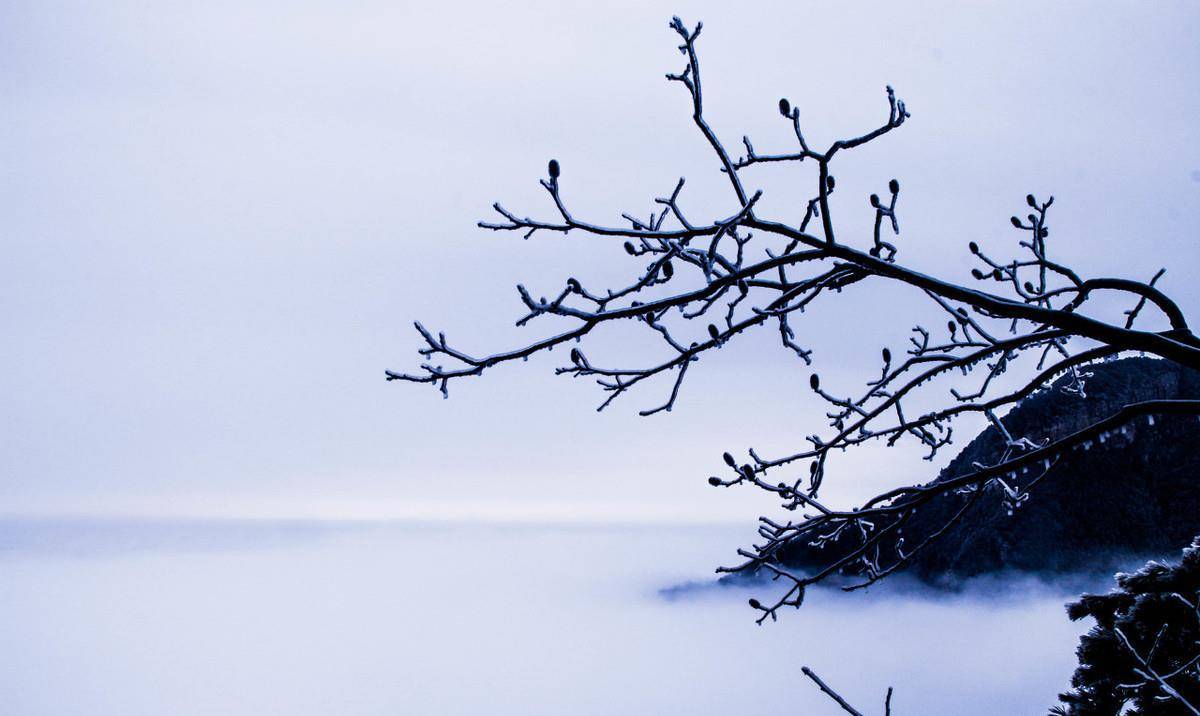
{"x":298,"y":618}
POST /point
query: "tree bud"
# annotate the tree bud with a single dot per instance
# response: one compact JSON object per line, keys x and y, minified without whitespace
{"x":887,"y":356}
{"x":894,"y":186}
{"x":629,"y":248}
{"x":668,"y":270}
{"x":977,"y":274}
{"x":1015,"y":222}
{"x":714,"y":332}
{"x":785,"y":107}
{"x":755,"y":604}
{"x":830,"y":182}
{"x":714,"y":481}
{"x":974,"y":247}
{"x":875,"y":200}
{"x":814,"y":381}
{"x":729,"y":460}
{"x":554,"y":169}
{"x":1030,"y":200}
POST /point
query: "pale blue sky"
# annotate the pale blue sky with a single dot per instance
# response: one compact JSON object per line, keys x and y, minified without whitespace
{"x":219,"y":220}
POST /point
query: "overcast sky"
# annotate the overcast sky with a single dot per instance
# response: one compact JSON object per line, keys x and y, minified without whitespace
{"x":219,"y":219}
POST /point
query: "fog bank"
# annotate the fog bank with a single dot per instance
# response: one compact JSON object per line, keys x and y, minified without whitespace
{"x":114,"y":617}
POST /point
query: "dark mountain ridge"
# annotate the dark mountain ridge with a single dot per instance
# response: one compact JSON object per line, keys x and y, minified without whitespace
{"x":1134,"y":494}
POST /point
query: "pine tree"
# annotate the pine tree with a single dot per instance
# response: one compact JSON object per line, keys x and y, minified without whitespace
{"x":1143,"y":654}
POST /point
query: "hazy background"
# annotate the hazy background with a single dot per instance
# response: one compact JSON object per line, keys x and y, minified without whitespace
{"x":219,"y":219}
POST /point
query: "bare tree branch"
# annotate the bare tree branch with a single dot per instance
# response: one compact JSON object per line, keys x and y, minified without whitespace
{"x":735,"y":271}
{"x":887,"y":702}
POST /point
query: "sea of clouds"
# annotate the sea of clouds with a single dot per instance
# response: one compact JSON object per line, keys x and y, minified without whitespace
{"x":117,"y":617}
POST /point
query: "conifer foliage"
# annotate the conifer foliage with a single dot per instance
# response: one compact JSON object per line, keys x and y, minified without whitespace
{"x":1143,"y":654}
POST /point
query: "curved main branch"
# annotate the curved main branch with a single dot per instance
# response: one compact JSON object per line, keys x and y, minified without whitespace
{"x":733,"y":272}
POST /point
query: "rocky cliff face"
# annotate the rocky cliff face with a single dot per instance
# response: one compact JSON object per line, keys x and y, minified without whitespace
{"x":1135,"y":494}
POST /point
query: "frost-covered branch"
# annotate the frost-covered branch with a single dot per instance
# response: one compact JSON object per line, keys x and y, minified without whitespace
{"x":702,"y":278}
{"x":887,"y":700}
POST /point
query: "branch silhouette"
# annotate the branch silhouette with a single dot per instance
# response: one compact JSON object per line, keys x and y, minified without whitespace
{"x":739,"y":270}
